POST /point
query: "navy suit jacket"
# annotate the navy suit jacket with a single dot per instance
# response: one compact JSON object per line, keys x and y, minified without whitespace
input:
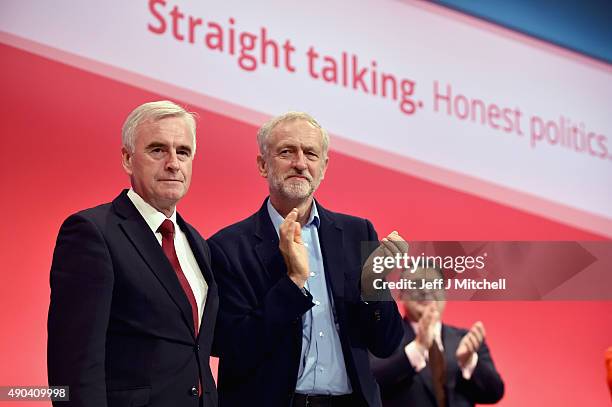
{"x":120,"y":326}
{"x":402,"y":386}
{"x":259,"y":327}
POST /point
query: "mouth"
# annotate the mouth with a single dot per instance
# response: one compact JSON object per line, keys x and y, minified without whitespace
{"x":170,"y":180}
{"x":298,"y":177}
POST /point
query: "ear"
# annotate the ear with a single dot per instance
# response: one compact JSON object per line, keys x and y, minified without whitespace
{"x":262,"y":166}
{"x":324,"y":167}
{"x":126,"y":160}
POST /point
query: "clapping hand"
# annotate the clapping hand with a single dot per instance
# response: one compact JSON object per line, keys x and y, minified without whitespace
{"x":293,"y":249}
{"x":470,"y":343}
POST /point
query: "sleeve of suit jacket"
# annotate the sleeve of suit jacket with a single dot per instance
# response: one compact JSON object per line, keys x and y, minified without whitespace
{"x":381,"y":320}
{"x":394,"y":370}
{"x":486,"y":385}
{"x":81,"y":291}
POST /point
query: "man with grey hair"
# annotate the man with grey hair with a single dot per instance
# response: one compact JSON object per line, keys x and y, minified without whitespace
{"x":293,"y":329}
{"x":133,"y":298}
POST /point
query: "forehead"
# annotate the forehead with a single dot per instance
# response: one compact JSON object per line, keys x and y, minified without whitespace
{"x":296,"y":131}
{"x":168,"y":129}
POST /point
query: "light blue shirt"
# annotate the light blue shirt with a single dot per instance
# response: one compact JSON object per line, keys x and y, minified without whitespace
{"x":322,"y":369}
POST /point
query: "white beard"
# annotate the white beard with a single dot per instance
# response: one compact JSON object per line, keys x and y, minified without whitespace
{"x":294,"y":189}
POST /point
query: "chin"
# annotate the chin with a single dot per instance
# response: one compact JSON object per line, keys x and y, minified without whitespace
{"x":173,"y":194}
{"x":296,"y":195}
{"x":297,"y":191}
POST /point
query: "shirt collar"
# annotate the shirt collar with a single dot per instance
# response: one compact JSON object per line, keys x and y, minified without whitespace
{"x":152,"y":216}
{"x":277,"y":219}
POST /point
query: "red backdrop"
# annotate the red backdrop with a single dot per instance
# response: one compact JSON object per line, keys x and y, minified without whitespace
{"x":62,"y":132}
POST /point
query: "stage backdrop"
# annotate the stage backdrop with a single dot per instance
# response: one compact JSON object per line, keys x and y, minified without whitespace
{"x":443,"y":127}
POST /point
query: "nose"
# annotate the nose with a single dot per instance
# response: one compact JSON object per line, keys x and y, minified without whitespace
{"x":299,"y":161}
{"x":172,"y":163}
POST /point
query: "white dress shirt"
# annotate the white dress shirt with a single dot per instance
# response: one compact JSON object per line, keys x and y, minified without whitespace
{"x":188,"y":263}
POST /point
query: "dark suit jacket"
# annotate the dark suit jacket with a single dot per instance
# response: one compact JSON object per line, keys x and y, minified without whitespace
{"x":120,"y":326}
{"x":259,"y":328}
{"x":402,"y":386}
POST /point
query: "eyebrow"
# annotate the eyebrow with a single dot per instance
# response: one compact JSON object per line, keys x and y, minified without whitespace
{"x":289,"y":144}
{"x":157,"y":144}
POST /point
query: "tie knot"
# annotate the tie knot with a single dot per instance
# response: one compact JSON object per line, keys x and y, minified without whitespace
{"x":166,"y":228}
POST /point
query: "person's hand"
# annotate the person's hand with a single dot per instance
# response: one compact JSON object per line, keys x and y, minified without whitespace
{"x":470,"y":343}
{"x":389,"y":246}
{"x":426,"y":328}
{"x":293,"y":249}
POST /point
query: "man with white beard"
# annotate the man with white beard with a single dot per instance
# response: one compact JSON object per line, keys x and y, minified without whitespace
{"x":293,"y":329}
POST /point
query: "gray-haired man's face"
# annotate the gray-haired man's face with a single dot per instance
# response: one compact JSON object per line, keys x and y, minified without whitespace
{"x":160,"y":165}
{"x":294,"y":164}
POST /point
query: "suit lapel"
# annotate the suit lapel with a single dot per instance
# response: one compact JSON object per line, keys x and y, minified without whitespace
{"x":267,"y":249}
{"x":450,"y":338}
{"x":198,"y":253}
{"x":139,"y":233}
{"x":425,"y":373}
{"x":332,"y":249}
{"x":330,"y":239}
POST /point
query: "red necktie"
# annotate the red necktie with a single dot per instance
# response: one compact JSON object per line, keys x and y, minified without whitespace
{"x":167,"y":231}
{"x":438,"y":373}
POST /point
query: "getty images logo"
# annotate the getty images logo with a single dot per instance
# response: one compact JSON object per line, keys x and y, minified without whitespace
{"x":411,"y":263}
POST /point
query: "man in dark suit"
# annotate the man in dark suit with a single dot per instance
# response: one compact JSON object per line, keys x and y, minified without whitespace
{"x":436,"y":365}
{"x":133,"y":299}
{"x":292,"y":328}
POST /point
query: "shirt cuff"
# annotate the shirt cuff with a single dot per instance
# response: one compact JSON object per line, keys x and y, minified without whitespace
{"x":469,"y":367}
{"x":417,"y":355}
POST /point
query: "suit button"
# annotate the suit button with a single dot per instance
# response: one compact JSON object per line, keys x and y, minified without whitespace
{"x":197,"y":347}
{"x":194,"y":391}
